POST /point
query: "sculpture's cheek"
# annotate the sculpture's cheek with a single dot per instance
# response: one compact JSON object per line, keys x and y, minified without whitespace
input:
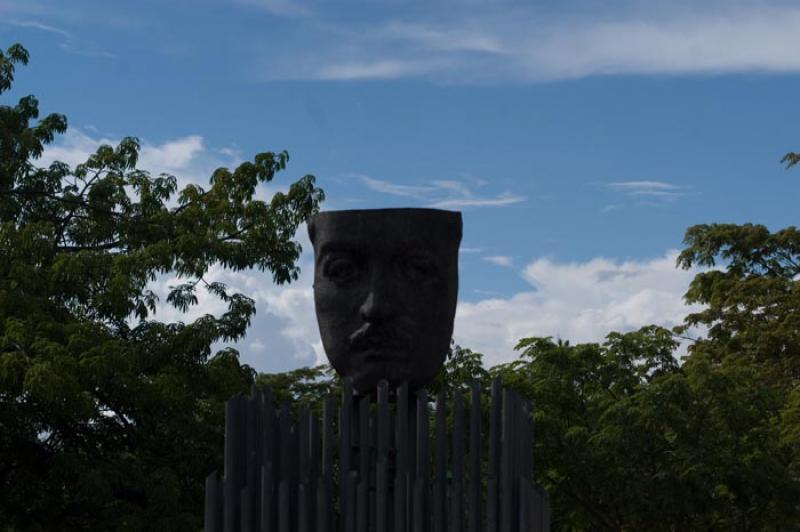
{"x":336,"y":304}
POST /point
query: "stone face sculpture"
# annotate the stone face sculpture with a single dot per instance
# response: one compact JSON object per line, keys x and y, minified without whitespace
{"x":385,"y":289}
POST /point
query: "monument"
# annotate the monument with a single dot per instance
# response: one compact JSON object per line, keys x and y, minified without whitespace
{"x":385,"y":290}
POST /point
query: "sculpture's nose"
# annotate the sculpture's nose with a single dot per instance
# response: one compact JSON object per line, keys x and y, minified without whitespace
{"x":378,"y":305}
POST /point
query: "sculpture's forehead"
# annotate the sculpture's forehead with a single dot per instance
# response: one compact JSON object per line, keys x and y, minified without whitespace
{"x":376,"y":231}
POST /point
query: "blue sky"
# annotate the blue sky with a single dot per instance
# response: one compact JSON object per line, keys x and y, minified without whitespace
{"x":579,"y":139}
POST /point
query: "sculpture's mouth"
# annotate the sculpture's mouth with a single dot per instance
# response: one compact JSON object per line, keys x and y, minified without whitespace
{"x":379,"y":343}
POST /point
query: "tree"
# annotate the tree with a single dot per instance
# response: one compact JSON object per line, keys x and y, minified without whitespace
{"x":605,"y":417}
{"x":750,"y":358}
{"x":108,"y":418}
{"x":628,"y":439}
{"x":790,"y":159}
{"x":308,"y":386}
{"x":461,"y":367}
{"x":750,"y":307}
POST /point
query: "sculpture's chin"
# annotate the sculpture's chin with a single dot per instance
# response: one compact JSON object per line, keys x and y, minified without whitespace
{"x":417,"y":366}
{"x":367,"y":376}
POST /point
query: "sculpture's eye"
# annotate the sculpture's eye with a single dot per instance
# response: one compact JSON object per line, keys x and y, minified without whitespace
{"x":341,"y":269}
{"x":417,"y":268}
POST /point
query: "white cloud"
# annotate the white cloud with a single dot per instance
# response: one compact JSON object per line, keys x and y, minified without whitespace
{"x":442,"y":194}
{"x":737,"y":39}
{"x":648,"y":188}
{"x":75,"y":146}
{"x":70,"y":42}
{"x":500,"y":260}
{"x":284,"y":332}
{"x":576,"y":301}
{"x":458,"y":188}
{"x":580,"y":302}
{"x":444,"y":38}
{"x":39,"y":26}
{"x":256,"y":346}
{"x":372,"y":69}
{"x":524,"y":44}
{"x":499,"y":201}
{"x":231,"y":151}
{"x":292,"y":306}
{"x":467,"y":249}
{"x":186,"y":157}
{"x":396,"y":189}
{"x":289,"y":8}
{"x":173,"y":155}
{"x":207,"y":303}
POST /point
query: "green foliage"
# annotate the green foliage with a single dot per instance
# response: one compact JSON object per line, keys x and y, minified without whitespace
{"x":601,"y":434}
{"x":790,"y":159}
{"x":304,"y":385}
{"x":750,"y":307}
{"x":750,"y":360}
{"x":629,"y":439}
{"x":108,"y":418}
{"x":312,"y":384}
{"x":461,"y":367}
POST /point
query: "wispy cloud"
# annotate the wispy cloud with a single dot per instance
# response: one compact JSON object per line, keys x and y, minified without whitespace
{"x":653,"y":189}
{"x":468,"y":249}
{"x":396,"y":189}
{"x":442,"y":38}
{"x":580,"y":302}
{"x":70,"y":42}
{"x":172,"y":155}
{"x":290,"y":8}
{"x":441,"y":194}
{"x":500,"y":260}
{"x":525,"y":44}
{"x":719,"y":40}
{"x":188,"y":157}
{"x":39,"y":26}
{"x":369,"y":69}
{"x":500,"y":201}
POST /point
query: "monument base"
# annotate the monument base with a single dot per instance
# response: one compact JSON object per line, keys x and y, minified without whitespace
{"x":373,"y":463}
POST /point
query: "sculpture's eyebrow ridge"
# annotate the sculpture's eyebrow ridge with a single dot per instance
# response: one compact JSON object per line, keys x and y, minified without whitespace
{"x":338,"y":247}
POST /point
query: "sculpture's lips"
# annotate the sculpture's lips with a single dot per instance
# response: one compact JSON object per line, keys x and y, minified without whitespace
{"x":379,"y":343}
{"x":383,"y":357}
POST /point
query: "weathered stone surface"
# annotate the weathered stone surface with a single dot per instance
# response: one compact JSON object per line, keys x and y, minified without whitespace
{"x":385,"y":290}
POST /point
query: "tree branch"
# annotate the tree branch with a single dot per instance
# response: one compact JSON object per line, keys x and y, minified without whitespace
{"x":71,"y":215}
{"x":98,"y":247}
{"x":54,"y":197}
